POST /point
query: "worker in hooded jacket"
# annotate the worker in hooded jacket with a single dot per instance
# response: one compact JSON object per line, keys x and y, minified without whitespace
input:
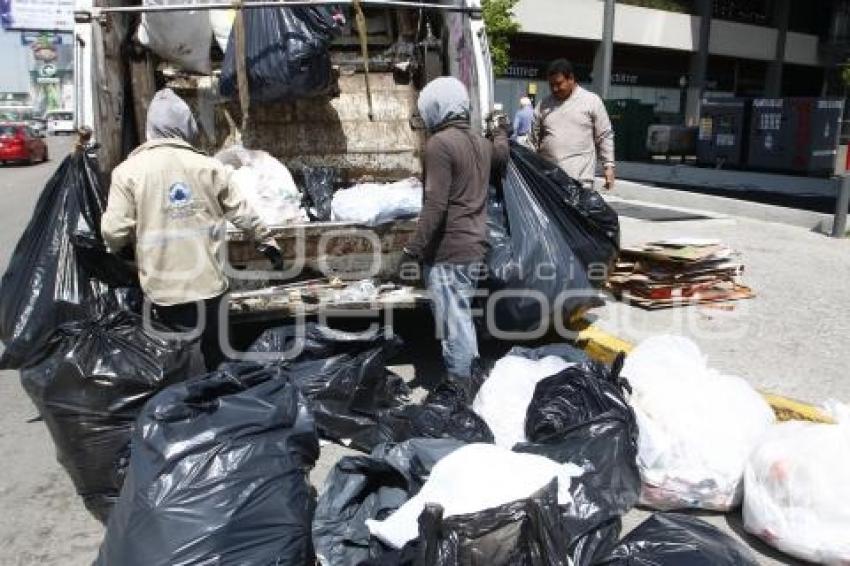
{"x":169,"y":202}
{"x":451,"y":238}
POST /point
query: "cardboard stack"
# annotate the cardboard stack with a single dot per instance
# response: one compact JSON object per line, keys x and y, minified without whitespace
{"x":679,"y":272}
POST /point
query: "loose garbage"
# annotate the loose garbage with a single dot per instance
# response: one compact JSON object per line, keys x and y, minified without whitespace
{"x":796,"y":491}
{"x":218,"y":474}
{"x":60,"y":271}
{"x":373,"y":204}
{"x":286,"y":54}
{"x":679,"y":272}
{"x":370,"y":487}
{"x":697,"y":426}
{"x":471,"y":479}
{"x":552,"y":242}
{"x":580,"y":416}
{"x":342,"y":375}
{"x":673,"y":539}
{"x":527,"y":531}
{"x":180,"y":37}
{"x":265,"y":183}
{"x":90,"y":384}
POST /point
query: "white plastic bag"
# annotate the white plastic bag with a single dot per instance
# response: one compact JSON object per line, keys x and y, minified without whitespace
{"x":503,"y":399}
{"x":372,"y":204}
{"x":265,"y":183}
{"x":797,"y":491}
{"x":697,"y":426}
{"x":222,"y":23}
{"x":471,"y":479}
{"x":183,"y":38}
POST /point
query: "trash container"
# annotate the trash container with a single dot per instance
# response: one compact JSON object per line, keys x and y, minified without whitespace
{"x":630,"y":119}
{"x":722,"y":138}
{"x":797,"y":135}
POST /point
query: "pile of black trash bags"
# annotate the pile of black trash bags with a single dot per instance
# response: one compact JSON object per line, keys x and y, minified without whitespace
{"x":189,"y":467}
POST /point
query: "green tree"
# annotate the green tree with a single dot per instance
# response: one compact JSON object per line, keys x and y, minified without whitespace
{"x":499,"y":19}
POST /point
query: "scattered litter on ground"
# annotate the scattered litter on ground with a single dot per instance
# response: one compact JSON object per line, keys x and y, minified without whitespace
{"x":89,"y":386}
{"x":673,"y":539}
{"x":373,"y":204}
{"x":679,"y":272}
{"x":796,"y":490}
{"x":697,"y":426}
{"x":218,"y":474}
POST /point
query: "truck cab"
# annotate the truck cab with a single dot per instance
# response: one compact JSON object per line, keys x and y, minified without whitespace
{"x":382,"y":67}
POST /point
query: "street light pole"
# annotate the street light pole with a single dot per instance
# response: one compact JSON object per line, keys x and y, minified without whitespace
{"x":607,"y":49}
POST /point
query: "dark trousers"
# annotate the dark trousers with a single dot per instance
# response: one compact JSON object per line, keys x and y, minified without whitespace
{"x":184,"y":318}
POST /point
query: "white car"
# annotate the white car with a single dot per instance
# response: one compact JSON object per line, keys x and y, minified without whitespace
{"x":60,"y":122}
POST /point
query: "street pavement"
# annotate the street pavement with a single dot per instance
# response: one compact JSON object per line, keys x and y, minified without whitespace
{"x":791,"y":339}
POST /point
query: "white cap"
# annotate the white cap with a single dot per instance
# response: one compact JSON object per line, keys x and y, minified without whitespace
{"x":525,"y":101}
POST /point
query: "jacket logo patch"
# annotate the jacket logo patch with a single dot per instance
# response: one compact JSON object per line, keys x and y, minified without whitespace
{"x":179,"y":195}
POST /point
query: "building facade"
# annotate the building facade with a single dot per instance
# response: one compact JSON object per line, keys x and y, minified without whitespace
{"x":664,"y":57}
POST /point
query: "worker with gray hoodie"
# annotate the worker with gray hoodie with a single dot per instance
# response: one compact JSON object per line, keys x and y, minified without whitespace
{"x":169,"y":202}
{"x":451,"y":238}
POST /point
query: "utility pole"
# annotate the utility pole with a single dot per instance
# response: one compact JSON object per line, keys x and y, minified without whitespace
{"x":607,"y":49}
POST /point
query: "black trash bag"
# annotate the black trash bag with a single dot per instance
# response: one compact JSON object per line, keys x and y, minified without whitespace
{"x":445,"y":413}
{"x":318,"y":192}
{"x":343,"y":376}
{"x":552,"y":243}
{"x":218,"y":475}
{"x":581,"y":416}
{"x":523,"y":533}
{"x":91,"y":384}
{"x":60,"y":270}
{"x":286,"y":52}
{"x":675,"y":539}
{"x":371,"y":487}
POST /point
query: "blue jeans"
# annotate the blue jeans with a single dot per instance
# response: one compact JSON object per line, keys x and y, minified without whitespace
{"x":451,"y":286}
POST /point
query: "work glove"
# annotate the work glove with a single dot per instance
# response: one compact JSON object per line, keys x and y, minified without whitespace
{"x":272,"y":253}
{"x":409,"y":270}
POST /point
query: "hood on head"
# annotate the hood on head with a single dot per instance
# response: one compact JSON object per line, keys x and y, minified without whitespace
{"x":169,"y":117}
{"x":442,"y":100}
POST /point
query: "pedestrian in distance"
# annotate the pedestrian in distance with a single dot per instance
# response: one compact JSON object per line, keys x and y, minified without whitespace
{"x":169,"y":202}
{"x":523,"y":120}
{"x":451,"y":238}
{"x":571,"y":128}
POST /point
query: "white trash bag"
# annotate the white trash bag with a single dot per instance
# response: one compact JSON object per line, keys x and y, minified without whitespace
{"x":471,"y":479}
{"x":503,"y":400}
{"x":183,"y":38}
{"x":797,"y":491}
{"x":265,"y":183}
{"x":697,"y":426}
{"x":372,"y":204}
{"x":221,"y":22}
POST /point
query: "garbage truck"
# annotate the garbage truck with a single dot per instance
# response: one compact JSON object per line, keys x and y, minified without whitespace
{"x":364,"y":126}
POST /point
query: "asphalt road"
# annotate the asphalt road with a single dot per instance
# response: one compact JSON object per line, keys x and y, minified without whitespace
{"x":790,"y":339}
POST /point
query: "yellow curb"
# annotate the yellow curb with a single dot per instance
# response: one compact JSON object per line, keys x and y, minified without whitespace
{"x":604,"y":347}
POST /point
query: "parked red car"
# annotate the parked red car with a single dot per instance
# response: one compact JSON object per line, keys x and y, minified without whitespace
{"x":19,"y":142}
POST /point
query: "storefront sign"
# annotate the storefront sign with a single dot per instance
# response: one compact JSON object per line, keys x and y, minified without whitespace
{"x":48,"y":15}
{"x":42,"y":38}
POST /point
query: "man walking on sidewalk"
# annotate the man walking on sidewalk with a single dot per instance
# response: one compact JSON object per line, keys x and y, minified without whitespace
{"x":571,"y":128}
{"x":451,"y":238}
{"x":170,"y":201}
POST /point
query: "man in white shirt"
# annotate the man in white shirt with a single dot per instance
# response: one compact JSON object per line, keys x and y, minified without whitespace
{"x":571,"y":128}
